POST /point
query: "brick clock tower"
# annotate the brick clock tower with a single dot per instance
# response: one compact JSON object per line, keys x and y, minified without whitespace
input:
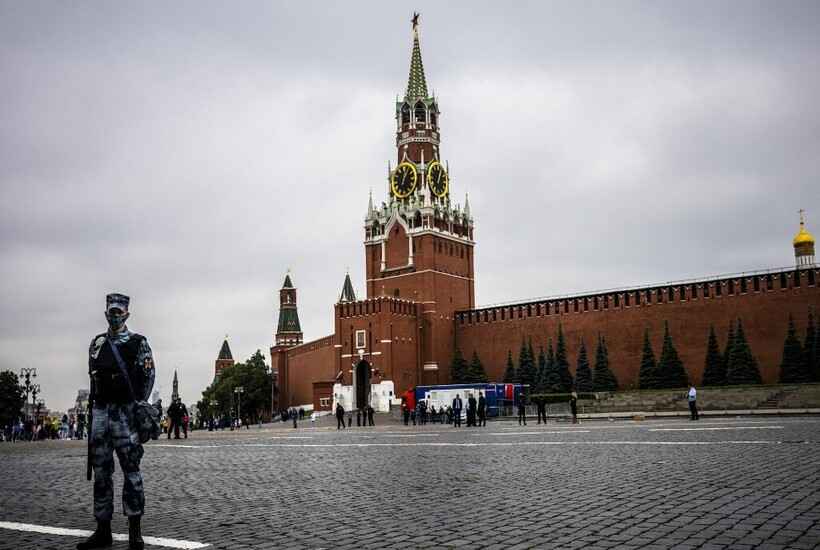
{"x":418,"y":255}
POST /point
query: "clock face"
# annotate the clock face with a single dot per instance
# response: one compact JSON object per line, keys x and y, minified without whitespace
{"x":404,"y":179}
{"x":437,"y":179}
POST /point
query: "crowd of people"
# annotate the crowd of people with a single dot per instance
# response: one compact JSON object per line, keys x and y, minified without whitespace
{"x":424,"y":413}
{"x":364,"y":417}
{"x":65,"y":427}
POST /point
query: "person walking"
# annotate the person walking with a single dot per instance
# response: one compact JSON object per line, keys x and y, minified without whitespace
{"x":340,"y":416}
{"x":522,"y":409}
{"x":370,"y":412}
{"x":121,"y":368}
{"x":482,"y":409}
{"x":693,"y":406}
{"x":573,"y":406}
{"x":457,"y":406}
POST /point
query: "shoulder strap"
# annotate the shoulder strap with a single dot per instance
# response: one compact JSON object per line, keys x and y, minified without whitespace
{"x":121,"y":365}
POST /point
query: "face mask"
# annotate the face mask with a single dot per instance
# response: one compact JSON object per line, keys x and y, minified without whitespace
{"x":116,"y":320}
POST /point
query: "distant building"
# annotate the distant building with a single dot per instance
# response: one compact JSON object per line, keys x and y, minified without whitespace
{"x":224,"y":360}
{"x":175,"y":391}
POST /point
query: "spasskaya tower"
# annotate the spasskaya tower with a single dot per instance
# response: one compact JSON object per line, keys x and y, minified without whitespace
{"x":418,"y":242}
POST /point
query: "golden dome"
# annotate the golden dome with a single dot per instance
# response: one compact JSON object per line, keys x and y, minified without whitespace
{"x":803,"y":237}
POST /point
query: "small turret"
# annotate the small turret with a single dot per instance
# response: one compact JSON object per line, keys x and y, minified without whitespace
{"x":347,"y":295}
{"x":803,"y":244}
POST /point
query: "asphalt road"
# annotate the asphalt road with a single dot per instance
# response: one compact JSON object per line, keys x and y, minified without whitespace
{"x":717,"y":483}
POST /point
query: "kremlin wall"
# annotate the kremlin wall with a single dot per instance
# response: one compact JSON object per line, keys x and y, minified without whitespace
{"x":420,"y":298}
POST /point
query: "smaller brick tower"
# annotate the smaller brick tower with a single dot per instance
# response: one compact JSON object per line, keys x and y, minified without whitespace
{"x":288,"y":334}
{"x":288,"y":331}
{"x":224,"y":359}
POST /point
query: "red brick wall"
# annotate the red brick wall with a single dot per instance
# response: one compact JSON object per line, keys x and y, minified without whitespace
{"x":301,"y":366}
{"x":764,"y":314}
{"x":397,"y":248}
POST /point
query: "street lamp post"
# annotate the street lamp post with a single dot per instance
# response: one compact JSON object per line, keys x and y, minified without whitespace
{"x":239,"y":390}
{"x":35,"y":389}
{"x":40,"y":404}
{"x":27,"y":374}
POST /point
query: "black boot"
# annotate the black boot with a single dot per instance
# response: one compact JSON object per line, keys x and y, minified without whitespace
{"x":134,"y":533}
{"x":101,"y":538}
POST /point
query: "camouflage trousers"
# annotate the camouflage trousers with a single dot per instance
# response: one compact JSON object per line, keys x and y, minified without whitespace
{"x":111,"y":432}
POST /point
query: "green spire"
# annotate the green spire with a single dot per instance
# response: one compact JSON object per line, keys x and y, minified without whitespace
{"x":416,"y":84}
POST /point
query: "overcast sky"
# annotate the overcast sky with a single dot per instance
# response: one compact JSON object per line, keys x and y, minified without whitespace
{"x":188,"y":153}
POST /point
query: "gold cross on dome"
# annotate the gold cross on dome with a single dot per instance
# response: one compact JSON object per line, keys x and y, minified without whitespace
{"x":801,"y":212}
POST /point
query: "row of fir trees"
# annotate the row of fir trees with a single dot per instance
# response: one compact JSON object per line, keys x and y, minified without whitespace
{"x":551,"y":373}
{"x":734,"y":365}
{"x":801,"y":361}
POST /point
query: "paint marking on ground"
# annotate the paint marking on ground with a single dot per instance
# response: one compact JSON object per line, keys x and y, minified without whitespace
{"x":478,"y":444}
{"x":716,"y":429}
{"x":531,"y":433}
{"x":62,"y":531}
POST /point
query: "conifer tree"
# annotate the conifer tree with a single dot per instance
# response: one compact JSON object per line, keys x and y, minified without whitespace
{"x":552,"y":378}
{"x":602,"y":377}
{"x":730,"y":343}
{"x":671,"y":373}
{"x":562,"y":363}
{"x":476,"y":372}
{"x":793,"y":368}
{"x":458,"y":368}
{"x":526,"y":367}
{"x":510,"y":375}
{"x":714,"y":372}
{"x":540,"y":377}
{"x":648,"y":374}
{"x":741,"y":368}
{"x":583,"y":374}
{"x":811,"y":349}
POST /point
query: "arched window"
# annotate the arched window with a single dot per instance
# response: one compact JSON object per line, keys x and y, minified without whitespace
{"x":421,"y":113}
{"x":405,"y":114}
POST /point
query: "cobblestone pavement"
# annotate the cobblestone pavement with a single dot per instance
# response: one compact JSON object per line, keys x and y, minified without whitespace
{"x":717,"y":483}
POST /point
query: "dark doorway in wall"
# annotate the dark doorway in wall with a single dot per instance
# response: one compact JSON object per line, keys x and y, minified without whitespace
{"x":362,"y":384}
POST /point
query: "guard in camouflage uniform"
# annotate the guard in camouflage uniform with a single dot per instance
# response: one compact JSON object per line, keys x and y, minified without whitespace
{"x":112,"y":427}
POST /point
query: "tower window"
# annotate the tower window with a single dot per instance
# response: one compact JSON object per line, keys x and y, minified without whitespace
{"x":566,"y":306}
{"x":421,"y":113}
{"x":433,"y":117}
{"x":757,"y":284}
{"x":586,"y":304}
{"x":743,"y":285}
{"x":626,"y":299}
{"x":706,"y":290}
{"x":648,"y":296}
{"x":405,"y":114}
{"x":660,"y":296}
{"x":576,"y":305}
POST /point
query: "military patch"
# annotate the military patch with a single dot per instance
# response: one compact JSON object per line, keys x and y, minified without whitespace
{"x":96,"y":346}
{"x":149,"y":363}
